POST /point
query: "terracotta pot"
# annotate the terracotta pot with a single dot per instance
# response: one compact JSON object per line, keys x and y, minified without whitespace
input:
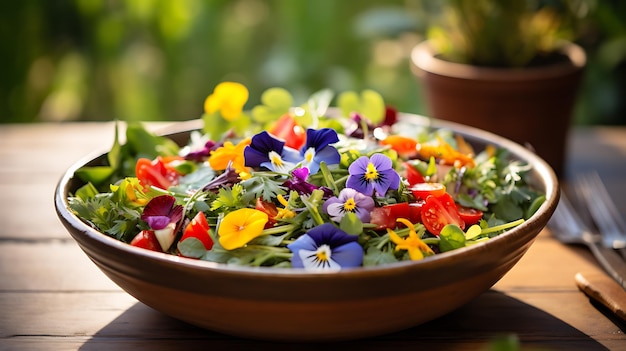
{"x":531,"y":106}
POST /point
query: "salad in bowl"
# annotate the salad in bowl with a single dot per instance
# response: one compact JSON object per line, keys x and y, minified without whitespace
{"x":311,"y":187}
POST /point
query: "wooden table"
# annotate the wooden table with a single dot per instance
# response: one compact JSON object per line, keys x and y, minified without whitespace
{"x":53,"y":297}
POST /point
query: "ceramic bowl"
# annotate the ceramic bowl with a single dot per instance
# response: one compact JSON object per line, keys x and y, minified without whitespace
{"x":292,"y":305}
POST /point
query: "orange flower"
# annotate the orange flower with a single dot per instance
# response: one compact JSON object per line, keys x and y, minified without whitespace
{"x":230,"y":153}
{"x":446,"y":153}
{"x":404,"y":146}
{"x":240,"y":226}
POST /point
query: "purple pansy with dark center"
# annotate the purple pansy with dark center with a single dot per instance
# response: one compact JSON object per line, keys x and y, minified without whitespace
{"x":266,"y":151}
{"x":318,"y":149}
{"x":349,"y":200}
{"x":326,"y":248}
{"x":373,"y":174}
{"x":161,"y":211}
{"x":298,"y":182}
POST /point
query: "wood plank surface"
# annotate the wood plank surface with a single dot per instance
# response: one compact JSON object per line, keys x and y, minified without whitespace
{"x":52,"y":297}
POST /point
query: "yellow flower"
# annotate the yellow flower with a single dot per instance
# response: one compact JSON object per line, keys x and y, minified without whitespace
{"x":240,"y":226}
{"x":228,"y":98}
{"x":230,"y":153}
{"x":416,"y":247}
{"x":284,"y":213}
{"x":132,"y":191}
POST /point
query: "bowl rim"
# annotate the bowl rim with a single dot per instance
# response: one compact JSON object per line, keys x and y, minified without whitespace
{"x":545,"y":175}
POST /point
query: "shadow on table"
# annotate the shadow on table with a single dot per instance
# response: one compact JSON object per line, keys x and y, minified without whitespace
{"x":471,"y":327}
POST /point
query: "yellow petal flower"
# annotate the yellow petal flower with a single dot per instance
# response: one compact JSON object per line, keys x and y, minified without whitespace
{"x":229,"y":153}
{"x":240,"y":226}
{"x":228,"y":98}
{"x":413,"y":244}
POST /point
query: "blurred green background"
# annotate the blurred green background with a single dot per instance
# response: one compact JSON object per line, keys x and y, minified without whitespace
{"x":71,"y":60}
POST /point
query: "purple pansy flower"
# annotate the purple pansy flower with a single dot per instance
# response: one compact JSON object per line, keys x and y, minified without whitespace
{"x":318,"y":149}
{"x":271,"y":153}
{"x":298,"y":182}
{"x":349,"y":200}
{"x":371,"y":174}
{"x":326,"y":248}
{"x":161,"y":211}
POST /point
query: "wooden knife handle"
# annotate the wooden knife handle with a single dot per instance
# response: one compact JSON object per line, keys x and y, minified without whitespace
{"x":603,"y":289}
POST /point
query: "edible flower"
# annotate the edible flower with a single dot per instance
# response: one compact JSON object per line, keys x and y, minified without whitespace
{"x":318,"y":149}
{"x":228,"y":98}
{"x":326,"y":248}
{"x":161,"y":211}
{"x":349,"y":200}
{"x":229,"y":154}
{"x":446,"y":153}
{"x":404,"y":146}
{"x":372,"y":174}
{"x":271,"y":153}
{"x":237,"y":228}
{"x":130,"y":191}
{"x":299,"y":183}
{"x":413,"y":244}
{"x":228,"y":178}
{"x":199,"y":147}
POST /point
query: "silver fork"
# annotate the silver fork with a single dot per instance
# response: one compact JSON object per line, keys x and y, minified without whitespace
{"x":568,"y":227}
{"x":603,"y":210}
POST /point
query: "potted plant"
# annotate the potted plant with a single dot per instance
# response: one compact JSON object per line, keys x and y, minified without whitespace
{"x":508,"y":67}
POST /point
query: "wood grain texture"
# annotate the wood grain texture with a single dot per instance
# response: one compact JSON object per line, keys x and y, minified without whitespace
{"x":52,"y":297}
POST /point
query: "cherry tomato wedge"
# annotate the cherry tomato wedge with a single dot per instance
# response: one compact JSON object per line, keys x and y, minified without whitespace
{"x":399,"y":210}
{"x":146,"y":240}
{"x":424,"y":190}
{"x":290,"y":131}
{"x":469,"y":215}
{"x":382,"y":218}
{"x":198,"y":228}
{"x":387,"y":216}
{"x":439,"y":211}
{"x":155,"y":173}
{"x":413,"y":175}
{"x":415,"y":211}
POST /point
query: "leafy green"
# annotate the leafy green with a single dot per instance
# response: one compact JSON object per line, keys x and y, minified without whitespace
{"x":121,"y":159}
{"x":228,"y":198}
{"x":351,"y":224}
{"x":275,"y":103}
{"x":451,"y":238}
{"x":369,"y":104}
{"x":264,"y":186}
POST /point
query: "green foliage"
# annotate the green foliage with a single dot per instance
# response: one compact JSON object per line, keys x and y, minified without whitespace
{"x":503,"y":33}
{"x":451,"y":237}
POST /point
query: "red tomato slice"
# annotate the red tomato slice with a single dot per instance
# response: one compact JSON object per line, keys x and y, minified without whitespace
{"x":413,"y":176}
{"x":469,"y":215}
{"x":439,"y":211}
{"x":424,"y":190}
{"x":415,"y":211}
{"x":146,"y":240}
{"x":382,"y":218}
{"x":399,"y":210}
{"x":155,"y":173}
{"x":287,"y":129}
{"x":198,"y":228}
